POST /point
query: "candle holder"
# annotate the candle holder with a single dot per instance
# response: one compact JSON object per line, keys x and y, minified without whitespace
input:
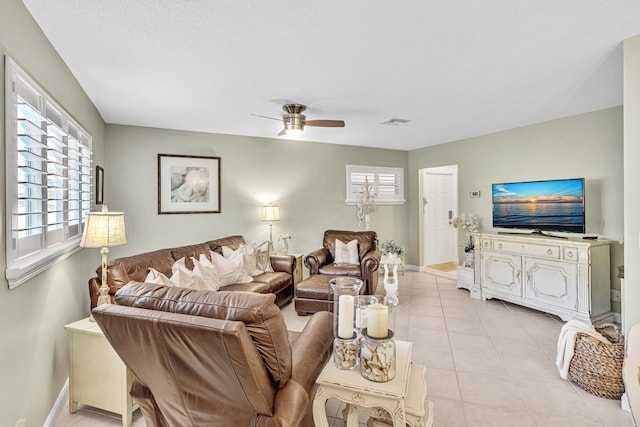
{"x":378,"y":357}
{"x":345,"y":343}
{"x":362,"y":302}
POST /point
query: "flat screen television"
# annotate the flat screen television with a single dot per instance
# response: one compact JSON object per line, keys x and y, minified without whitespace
{"x":552,"y":205}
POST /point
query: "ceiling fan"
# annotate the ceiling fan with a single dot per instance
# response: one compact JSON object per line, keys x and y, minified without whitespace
{"x":294,"y":121}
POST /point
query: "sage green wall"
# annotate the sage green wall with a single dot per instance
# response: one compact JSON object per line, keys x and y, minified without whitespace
{"x":587,"y":145}
{"x":33,"y":348}
{"x":631,"y":293}
{"x":307,"y":181}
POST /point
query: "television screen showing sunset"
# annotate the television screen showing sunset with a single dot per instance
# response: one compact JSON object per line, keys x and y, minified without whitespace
{"x":556,"y":205}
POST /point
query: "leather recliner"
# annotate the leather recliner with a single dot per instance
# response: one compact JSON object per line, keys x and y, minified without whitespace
{"x":321,"y":261}
{"x":203,"y":358}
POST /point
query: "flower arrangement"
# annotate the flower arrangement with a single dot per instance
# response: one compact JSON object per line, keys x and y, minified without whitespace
{"x":467,"y":222}
{"x":390,"y":247}
{"x":284,"y":237}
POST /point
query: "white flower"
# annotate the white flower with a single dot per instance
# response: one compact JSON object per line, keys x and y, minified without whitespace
{"x":284,"y":236}
{"x":469,"y":222}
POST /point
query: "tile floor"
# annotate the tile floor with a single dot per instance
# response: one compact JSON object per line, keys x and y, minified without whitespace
{"x":488,"y":363}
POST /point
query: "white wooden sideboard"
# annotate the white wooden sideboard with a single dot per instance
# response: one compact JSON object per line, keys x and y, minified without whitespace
{"x":566,"y":277}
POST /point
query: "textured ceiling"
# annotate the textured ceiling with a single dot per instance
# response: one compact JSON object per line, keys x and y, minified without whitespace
{"x":454,"y":68}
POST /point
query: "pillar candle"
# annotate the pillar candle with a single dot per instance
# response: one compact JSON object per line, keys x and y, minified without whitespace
{"x":377,"y":320}
{"x":345,"y":316}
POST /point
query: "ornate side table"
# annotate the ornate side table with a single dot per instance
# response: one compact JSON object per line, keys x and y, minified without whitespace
{"x":362,"y":395}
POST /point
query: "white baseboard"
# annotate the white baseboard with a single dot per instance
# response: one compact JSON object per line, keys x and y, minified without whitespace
{"x":58,"y":407}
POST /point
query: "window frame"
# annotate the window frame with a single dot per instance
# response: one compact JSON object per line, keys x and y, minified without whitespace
{"x":55,"y":162}
{"x":378,"y":175}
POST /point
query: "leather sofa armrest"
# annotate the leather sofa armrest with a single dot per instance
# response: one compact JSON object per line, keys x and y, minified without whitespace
{"x":317,"y":259}
{"x":312,"y":349}
{"x":148,"y":406}
{"x":310,"y":352}
{"x":283,"y":263}
{"x":94,"y":291}
{"x":369,"y":265}
{"x":289,"y":408}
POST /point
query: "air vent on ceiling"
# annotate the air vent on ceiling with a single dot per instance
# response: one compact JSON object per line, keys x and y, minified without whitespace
{"x":396,"y":122}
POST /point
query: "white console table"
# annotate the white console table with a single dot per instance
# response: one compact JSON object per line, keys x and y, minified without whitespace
{"x":566,"y":277}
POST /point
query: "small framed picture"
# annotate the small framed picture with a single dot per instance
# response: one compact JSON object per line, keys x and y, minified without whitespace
{"x":99,"y":185}
{"x":188,"y":184}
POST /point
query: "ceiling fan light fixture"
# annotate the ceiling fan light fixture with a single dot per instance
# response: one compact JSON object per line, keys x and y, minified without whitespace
{"x":293,"y":131}
{"x":293,"y":123}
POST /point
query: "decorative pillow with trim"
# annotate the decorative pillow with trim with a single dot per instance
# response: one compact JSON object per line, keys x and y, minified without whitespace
{"x":229,"y":272}
{"x":263,"y":259}
{"x":157,"y":278}
{"x":347,"y":253}
{"x":205,"y":269}
{"x":185,"y":278}
{"x":245,"y":256}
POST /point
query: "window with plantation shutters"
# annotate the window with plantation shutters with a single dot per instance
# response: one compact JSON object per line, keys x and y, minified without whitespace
{"x":48,"y":177}
{"x":386,"y":184}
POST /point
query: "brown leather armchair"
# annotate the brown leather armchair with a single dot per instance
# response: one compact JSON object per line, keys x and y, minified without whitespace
{"x":202,"y":358}
{"x":321,"y":261}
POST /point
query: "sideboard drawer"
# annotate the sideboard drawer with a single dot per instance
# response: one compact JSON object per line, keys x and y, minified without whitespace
{"x":529,"y":249}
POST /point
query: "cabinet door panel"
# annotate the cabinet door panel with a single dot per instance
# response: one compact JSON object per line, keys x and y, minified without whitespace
{"x":501,"y":272}
{"x":551,"y":282}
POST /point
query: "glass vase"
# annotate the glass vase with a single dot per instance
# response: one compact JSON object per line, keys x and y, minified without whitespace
{"x":378,"y":357}
{"x":344,"y":290}
{"x":362,"y":302}
{"x":284,"y":246}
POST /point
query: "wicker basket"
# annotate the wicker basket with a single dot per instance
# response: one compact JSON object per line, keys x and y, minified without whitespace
{"x":597,"y":366}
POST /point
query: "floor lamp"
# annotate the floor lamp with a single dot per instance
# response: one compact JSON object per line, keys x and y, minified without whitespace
{"x":102,"y":230}
{"x":271,"y":213}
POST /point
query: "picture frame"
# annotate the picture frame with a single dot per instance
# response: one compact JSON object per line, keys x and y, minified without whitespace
{"x":99,"y":185}
{"x":188,"y":184}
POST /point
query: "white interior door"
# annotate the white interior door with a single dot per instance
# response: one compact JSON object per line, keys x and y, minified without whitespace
{"x":439,"y":239}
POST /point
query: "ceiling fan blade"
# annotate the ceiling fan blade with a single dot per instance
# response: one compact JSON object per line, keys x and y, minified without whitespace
{"x":325,"y":123}
{"x":282,"y":132}
{"x":266,"y":117}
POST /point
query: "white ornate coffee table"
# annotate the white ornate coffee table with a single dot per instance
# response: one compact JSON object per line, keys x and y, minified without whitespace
{"x":362,"y":395}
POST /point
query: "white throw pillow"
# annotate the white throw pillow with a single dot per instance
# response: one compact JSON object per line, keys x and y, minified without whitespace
{"x":205,"y":269}
{"x":347,"y":253}
{"x":245,"y":257}
{"x":185,"y":278}
{"x":154,"y":276}
{"x":228,"y":270}
{"x":263,"y":259}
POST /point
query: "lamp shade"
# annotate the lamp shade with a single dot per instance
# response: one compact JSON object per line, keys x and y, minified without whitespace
{"x":104,"y":229}
{"x":270,"y":213}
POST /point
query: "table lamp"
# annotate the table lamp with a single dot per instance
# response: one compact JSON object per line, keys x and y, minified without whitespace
{"x":271,"y":213}
{"x":104,"y":229}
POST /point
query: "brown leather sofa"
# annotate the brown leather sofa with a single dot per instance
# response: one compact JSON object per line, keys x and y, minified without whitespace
{"x":314,"y":294}
{"x":135,"y":268}
{"x":203,"y":358}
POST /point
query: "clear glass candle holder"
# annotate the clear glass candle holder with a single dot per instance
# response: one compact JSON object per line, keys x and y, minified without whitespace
{"x":344,"y":290}
{"x":362,"y":301}
{"x":378,"y":357}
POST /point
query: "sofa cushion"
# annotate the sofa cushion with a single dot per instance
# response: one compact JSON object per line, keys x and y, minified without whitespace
{"x":136,"y":267}
{"x":275,"y":281}
{"x":190,"y":251}
{"x":341,"y":270}
{"x":233,"y":242}
{"x":258,"y":312}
